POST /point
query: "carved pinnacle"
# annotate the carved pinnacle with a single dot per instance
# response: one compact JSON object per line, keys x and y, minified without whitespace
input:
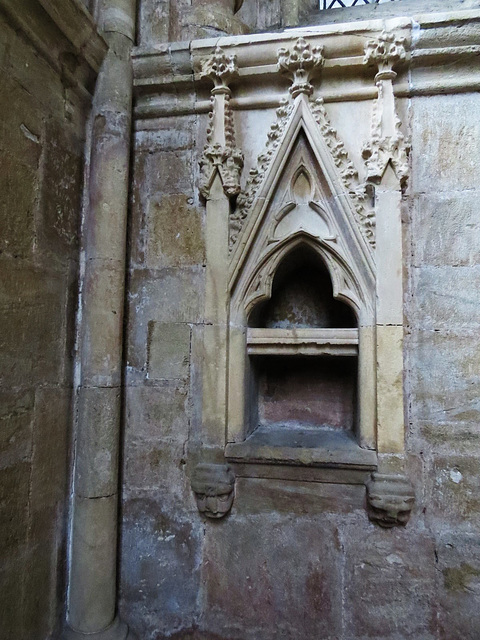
{"x":300,"y":63}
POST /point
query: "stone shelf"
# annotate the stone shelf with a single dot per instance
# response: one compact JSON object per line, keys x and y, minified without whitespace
{"x":302,"y":342}
{"x":304,"y":447}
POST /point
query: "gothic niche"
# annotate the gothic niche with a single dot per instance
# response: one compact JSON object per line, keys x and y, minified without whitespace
{"x":302,"y":287}
{"x":304,"y":356}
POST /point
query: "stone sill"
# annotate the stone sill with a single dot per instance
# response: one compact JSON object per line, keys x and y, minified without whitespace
{"x":302,"y":342}
{"x":296,"y":447}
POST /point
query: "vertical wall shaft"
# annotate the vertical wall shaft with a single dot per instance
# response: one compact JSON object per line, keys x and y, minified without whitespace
{"x":92,"y":578}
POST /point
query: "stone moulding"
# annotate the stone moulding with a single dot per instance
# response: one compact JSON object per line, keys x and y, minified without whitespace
{"x":390,"y":499}
{"x":220,"y":155}
{"x":214,"y":489}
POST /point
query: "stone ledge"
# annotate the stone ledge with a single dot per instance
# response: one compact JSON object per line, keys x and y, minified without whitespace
{"x":322,"y":448}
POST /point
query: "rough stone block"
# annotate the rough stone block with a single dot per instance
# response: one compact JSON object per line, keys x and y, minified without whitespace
{"x":165,"y":296}
{"x":260,"y":582}
{"x":14,"y":508}
{"x":16,"y":418}
{"x":160,"y":559}
{"x":455,"y":491}
{"x":174,"y":233}
{"x":171,"y":133}
{"x":446,"y":126}
{"x":169,"y":172}
{"x":444,"y":376}
{"x":159,"y":467}
{"x":51,"y":439}
{"x":168,"y":350}
{"x":445,"y":229}
{"x":21,"y":127}
{"x":61,"y":196}
{"x":159,"y":412}
{"x":33,"y":316}
{"x":389,"y":583}
{"x":259,"y":496}
{"x":458,"y":559}
{"x":445,"y":298}
{"x":18,"y":184}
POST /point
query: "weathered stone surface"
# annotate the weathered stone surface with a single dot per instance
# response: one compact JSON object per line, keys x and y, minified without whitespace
{"x":60,"y":206}
{"x":454,"y":496}
{"x":259,"y":583}
{"x":445,"y":229}
{"x":165,"y":296}
{"x":259,"y":496}
{"x":444,"y":125}
{"x":16,"y":417}
{"x":444,"y":375}
{"x":174,"y":233}
{"x":14,"y":508}
{"x":445,"y":298}
{"x":17,"y":185}
{"x":32,"y":306}
{"x":458,"y":560}
{"x":168,"y":351}
{"x":159,"y":412}
{"x":389,"y":582}
{"x":161,"y":557}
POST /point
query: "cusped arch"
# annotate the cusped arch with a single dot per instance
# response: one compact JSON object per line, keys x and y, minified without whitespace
{"x":346,"y":287}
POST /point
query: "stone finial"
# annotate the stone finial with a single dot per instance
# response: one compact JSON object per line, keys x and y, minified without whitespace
{"x":220,"y":68}
{"x":300,"y":63}
{"x":386,"y":51}
{"x":214,"y":488}
{"x":390,"y":500}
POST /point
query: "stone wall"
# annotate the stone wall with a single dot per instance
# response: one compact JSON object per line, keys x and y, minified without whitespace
{"x":43,"y":106}
{"x":301,"y":559}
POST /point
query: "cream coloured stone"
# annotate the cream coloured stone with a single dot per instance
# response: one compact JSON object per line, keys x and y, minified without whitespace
{"x":390,"y":410}
{"x":168,"y":351}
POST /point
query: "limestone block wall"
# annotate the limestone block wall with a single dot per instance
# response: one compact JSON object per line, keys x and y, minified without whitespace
{"x":44,"y":103}
{"x":301,"y":559}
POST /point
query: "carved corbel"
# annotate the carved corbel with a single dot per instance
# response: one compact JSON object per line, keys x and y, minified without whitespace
{"x":387,"y":144}
{"x":300,"y":63}
{"x":220,"y":153}
{"x":390,"y":499}
{"x":214,"y":488}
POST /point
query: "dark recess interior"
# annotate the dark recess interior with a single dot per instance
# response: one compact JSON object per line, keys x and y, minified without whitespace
{"x":304,"y":391}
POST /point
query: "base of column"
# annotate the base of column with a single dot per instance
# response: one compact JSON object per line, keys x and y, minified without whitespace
{"x":118,"y":630}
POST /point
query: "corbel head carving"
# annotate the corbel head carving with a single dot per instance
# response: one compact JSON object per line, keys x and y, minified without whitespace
{"x":390,"y":500}
{"x":213,"y":485}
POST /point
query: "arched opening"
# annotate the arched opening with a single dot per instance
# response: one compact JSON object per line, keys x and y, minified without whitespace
{"x":303,"y":349}
{"x":302,"y":296}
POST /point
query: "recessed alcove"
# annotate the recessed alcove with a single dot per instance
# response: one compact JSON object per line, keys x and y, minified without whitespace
{"x":302,"y":347}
